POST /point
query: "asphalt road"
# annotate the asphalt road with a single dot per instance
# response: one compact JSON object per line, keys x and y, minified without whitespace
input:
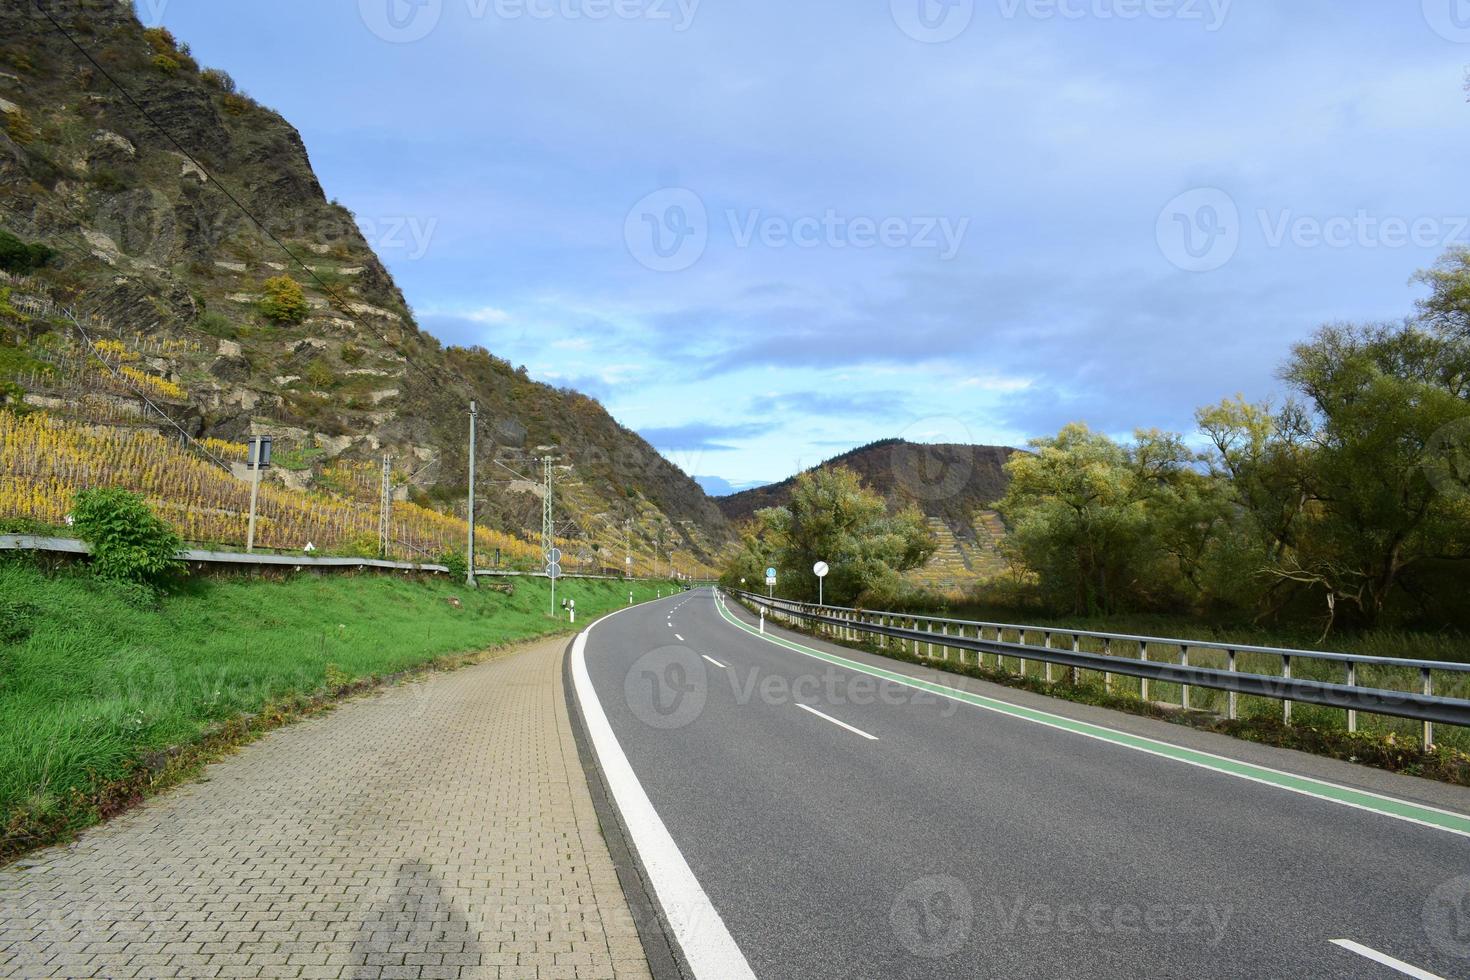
{"x":848,"y":826}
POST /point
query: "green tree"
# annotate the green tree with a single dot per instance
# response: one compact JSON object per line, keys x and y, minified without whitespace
{"x":283,"y":301}
{"x":1081,"y":509}
{"x":1447,"y":309}
{"x":833,"y":518}
{"x":1382,"y":398}
{"x":129,"y":542}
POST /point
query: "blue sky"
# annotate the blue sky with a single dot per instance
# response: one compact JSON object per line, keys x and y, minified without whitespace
{"x":762,"y":231}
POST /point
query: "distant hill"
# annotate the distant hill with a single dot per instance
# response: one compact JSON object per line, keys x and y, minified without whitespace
{"x":950,"y":482}
{"x":955,"y":486}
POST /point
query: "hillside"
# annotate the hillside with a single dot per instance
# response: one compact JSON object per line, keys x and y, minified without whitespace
{"x":170,"y":200}
{"x":953,"y":485}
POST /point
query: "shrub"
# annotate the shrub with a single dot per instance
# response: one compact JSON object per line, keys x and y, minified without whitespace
{"x":459,"y":568}
{"x":283,"y":301}
{"x":218,"y":79}
{"x":161,"y":39}
{"x":20,"y":128}
{"x":236,"y":103}
{"x":20,"y":258}
{"x":166,"y":64}
{"x":129,"y":542}
{"x":320,"y":375}
{"x":108,"y":181}
{"x":352,"y":354}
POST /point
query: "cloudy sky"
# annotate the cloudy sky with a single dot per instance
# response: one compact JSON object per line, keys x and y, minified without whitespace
{"x":765,"y":231}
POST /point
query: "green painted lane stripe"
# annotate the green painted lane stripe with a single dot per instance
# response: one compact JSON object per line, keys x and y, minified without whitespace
{"x":1387,"y":806}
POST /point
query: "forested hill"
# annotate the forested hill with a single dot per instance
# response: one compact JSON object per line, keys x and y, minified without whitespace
{"x":949,"y":482}
{"x":186,"y":215}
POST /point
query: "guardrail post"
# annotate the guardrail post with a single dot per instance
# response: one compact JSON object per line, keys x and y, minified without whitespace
{"x":1047,"y":636}
{"x":1285,"y":703}
{"x":1143,"y":681}
{"x":931,"y":643}
{"x":1428,"y":692}
{"x":1022,"y":639}
{"x":1231,"y":709}
{"x":1352,"y":671}
{"x":1184,"y":688}
{"x":1107,"y":652}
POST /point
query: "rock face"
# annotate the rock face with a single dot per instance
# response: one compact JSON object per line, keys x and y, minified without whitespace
{"x":149,"y":239}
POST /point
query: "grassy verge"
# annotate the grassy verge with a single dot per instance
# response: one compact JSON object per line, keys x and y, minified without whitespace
{"x":1381,"y":743}
{"x":106,"y":696}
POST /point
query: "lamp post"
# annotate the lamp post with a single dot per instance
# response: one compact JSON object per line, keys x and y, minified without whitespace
{"x":258,"y":459}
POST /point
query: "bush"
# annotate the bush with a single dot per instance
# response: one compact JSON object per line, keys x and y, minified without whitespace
{"x":236,"y":103}
{"x":20,"y":128}
{"x":320,"y":375}
{"x":22,"y":259}
{"x":221,"y":80}
{"x":129,"y":542}
{"x":166,"y":64}
{"x":459,"y":568}
{"x":284,"y":302}
{"x":161,"y":40}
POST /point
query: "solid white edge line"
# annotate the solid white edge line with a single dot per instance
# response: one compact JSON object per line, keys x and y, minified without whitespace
{"x":698,"y":928}
{"x":917,"y":684}
{"x":715,"y":662}
{"x":840,"y":724}
{"x":1407,"y":969}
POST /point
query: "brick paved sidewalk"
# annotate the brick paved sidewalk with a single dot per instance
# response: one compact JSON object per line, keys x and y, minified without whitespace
{"x":438,"y":829}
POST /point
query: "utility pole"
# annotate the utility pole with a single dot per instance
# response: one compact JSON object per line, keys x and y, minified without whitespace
{"x":385,"y":506}
{"x":548,"y":531}
{"x":474,"y":417}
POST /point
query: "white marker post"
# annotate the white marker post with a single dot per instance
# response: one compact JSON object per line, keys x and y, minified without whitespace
{"x":763,"y":620}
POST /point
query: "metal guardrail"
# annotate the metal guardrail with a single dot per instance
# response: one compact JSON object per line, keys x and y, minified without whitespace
{"x":912,"y":632}
{"x":71,"y":546}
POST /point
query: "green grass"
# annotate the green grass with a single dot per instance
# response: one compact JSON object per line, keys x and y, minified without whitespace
{"x":96,"y":681}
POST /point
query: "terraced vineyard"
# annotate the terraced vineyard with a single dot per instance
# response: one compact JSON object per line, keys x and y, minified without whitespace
{"x":964,"y":558}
